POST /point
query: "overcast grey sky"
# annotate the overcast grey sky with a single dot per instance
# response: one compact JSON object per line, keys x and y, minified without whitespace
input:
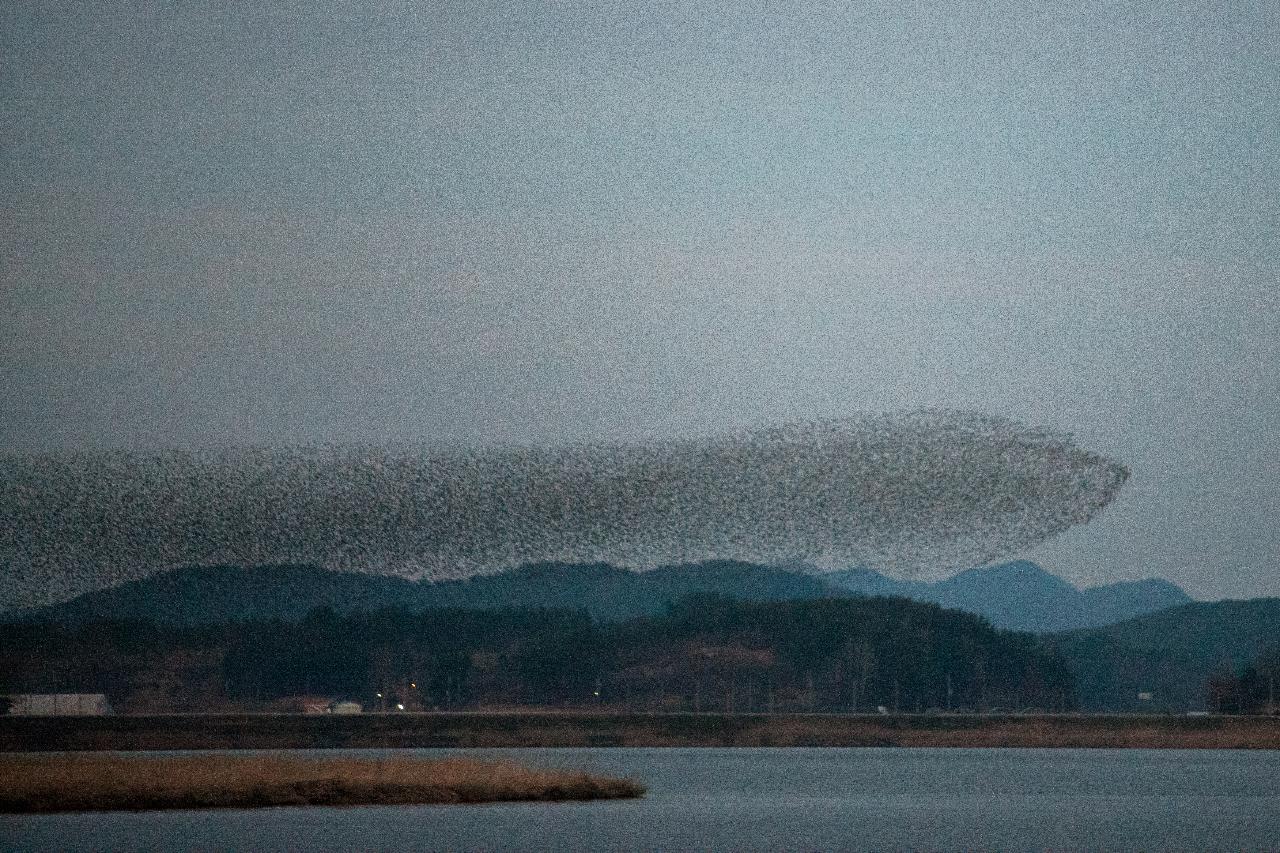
{"x":462,"y":223}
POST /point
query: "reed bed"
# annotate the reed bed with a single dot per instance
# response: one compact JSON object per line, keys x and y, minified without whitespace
{"x":98,"y":782}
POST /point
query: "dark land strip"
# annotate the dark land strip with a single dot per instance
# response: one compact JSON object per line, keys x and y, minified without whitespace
{"x":577,"y":729}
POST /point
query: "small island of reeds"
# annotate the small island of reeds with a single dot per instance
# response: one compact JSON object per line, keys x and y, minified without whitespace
{"x":99,"y":782}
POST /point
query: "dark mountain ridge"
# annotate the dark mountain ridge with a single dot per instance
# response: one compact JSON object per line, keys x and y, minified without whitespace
{"x":1016,"y":596}
{"x":214,"y":594}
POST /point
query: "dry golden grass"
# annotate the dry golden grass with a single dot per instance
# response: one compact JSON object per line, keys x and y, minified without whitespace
{"x":95,"y":782}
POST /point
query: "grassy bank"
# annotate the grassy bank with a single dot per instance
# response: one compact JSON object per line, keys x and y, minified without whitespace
{"x":547,"y":728}
{"x":95,"y":782}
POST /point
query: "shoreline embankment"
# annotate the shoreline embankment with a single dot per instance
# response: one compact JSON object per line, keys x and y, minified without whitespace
{"x":604,"y":729}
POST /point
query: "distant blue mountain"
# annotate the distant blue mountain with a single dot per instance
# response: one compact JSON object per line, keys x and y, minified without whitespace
{"x":1022,"y":596}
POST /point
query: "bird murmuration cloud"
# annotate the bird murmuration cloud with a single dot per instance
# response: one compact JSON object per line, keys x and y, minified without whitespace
{"x":898,"y":492}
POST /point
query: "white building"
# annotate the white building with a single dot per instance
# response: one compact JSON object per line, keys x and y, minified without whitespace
{"x":58,"y":704}
{"x":345,"y":708}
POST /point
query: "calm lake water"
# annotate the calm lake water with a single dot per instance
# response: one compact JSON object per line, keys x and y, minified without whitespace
{"x":770,"y":799}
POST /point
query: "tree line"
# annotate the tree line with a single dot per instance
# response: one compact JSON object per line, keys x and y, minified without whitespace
{"x":706,"y":653}
{"x":1250,"y":689}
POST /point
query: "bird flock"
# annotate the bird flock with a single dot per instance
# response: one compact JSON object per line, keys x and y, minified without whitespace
{"x":895,"y":492}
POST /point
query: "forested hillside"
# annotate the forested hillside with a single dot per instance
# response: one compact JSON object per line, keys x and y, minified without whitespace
{"x":707,"y":653}
{"x":1170,"y":655}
